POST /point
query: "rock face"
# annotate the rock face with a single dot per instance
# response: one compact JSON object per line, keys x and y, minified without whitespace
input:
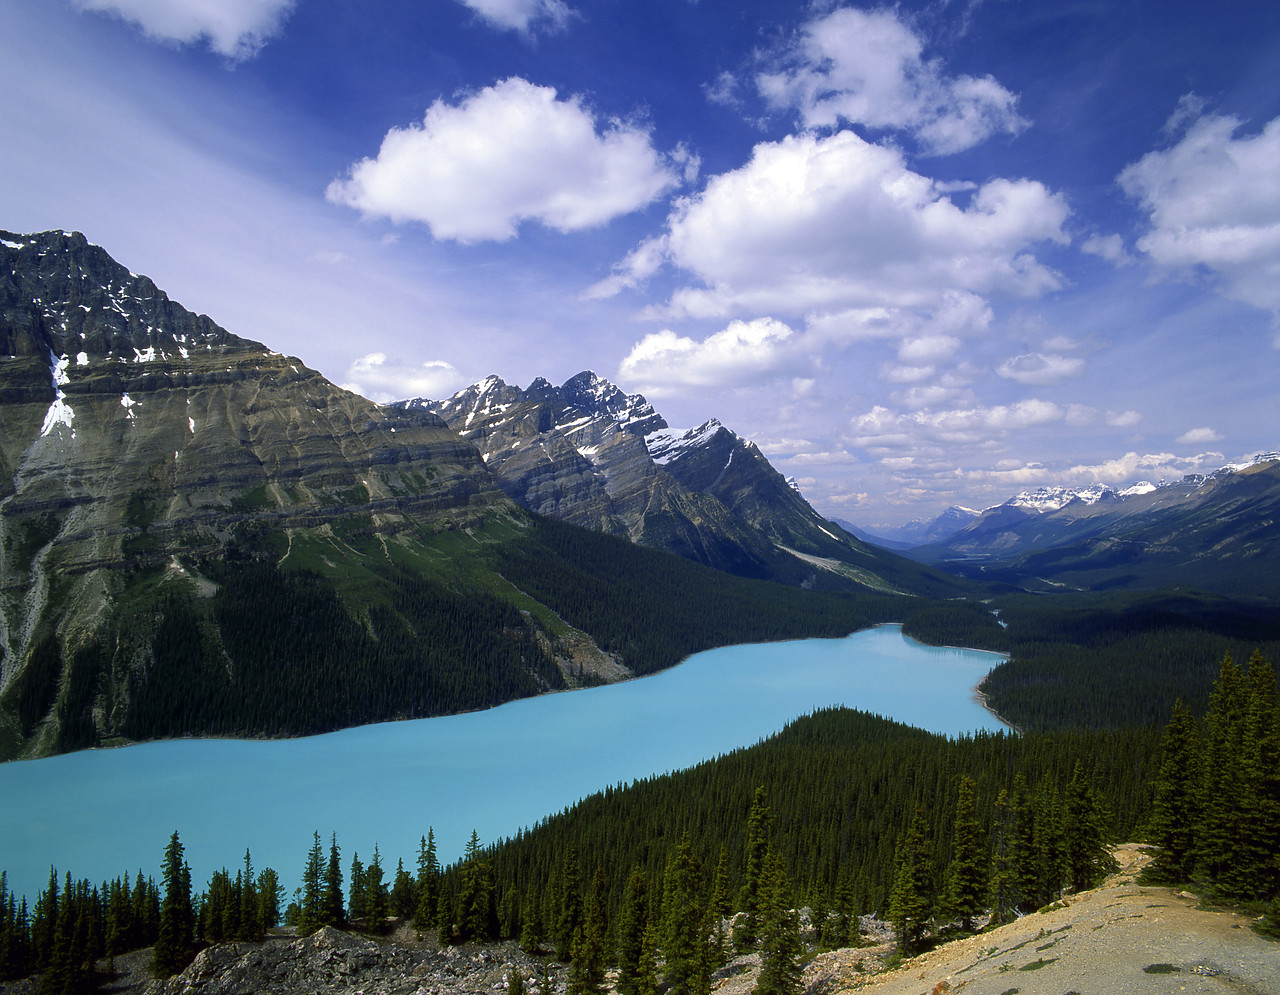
{"x":332,"y":961}
{"x":589,"y":454}
{"x":138,"y":436}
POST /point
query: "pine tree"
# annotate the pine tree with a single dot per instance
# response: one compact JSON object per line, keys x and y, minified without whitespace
{"x":759,"y":826}
{"x":586,"y":976}
{"x":781,"y":972}
{"x":1086,"y":857}
{"x":331,"y":911}
{"x":175,"y":944}
{"x":477,"y":919}
{"x":377,"y":898}
{"x":250,"y":924}
{"x":402,"y":901}
{"x":357,"y":891}
{"x":966,"y":876}
{"x":530,"y":924}
{"x":309,"y":910}
{"x":515,"y":981}
{"x":631,"y":932}
{"x":428,"y":883}
{"x":683,"y":917}
{"x":911,"y":903}
{"x":270,"y":894}
{"x":1175,"y":810}
{"x":569,"y":913}
{"x":1257,"y":874}
{"x":1221,"y":801}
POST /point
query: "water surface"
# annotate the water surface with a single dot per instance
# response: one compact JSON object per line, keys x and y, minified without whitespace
{"x":100,"y":813}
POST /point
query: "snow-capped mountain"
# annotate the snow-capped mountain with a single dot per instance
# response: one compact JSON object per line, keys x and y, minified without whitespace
{"x":1213,"y":530}
{"x":588,"y":453}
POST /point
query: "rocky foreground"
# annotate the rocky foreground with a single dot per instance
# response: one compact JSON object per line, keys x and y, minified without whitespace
{"x":1120,"y":939}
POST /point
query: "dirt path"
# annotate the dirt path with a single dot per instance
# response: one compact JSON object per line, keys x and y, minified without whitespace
{"x":1120,"y":939}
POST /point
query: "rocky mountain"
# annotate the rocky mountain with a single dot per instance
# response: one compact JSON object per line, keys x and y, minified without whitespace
{"x":200,"y":536}
{"x":589,"y":454}
{"x":1214,"y":532}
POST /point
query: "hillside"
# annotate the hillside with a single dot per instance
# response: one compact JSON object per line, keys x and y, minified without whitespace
{"x":200,"y":536}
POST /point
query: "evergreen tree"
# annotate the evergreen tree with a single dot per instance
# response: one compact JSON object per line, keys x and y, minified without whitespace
{"x":428,"y":883}
{"x":569,"y":913}
{"x":175,"y":944}
{"x":270,"y":894}
{"x":402,"y":899}
{"x":358,"y":891}
{"x":530,"y":923}
{"x":759,"y":825}
{"x":332,"y":912}
{"x":477,"y":919}
{"x":966,"y":875}
{"x":515,"y":981}
{"x":911,"y":901}
{"x":1222,"y":792}
{"x":1003,"y":878}
{"x":251,"y":927}
{"x":1257,"y":873}
{"x":781,"y":972}
{"x":683,"y":939}
{"x":1047,"y":831}
{"x":1086,"y":857}
{"x":310,"y":915}
{"x":1175,"y":812}
{"x":378,"y":902}
{"x":632,"y":922}
{"x":586,"y":976}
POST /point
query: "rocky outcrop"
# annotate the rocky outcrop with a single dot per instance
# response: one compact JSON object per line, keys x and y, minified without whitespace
{"x":333,"y":961}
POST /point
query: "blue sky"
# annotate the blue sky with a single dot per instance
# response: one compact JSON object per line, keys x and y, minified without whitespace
{"x":921,"y":254}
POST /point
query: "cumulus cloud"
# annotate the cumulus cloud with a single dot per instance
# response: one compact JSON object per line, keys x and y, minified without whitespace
{"x":868,"y":67}
{"x":742,"y":352}
{"x":1108,"y":247}
{"x":1040,"y":369}
{"x":1199,"y":436}
{"x":1213,"y":200}
{"x":523,"y":15}
{"x":509,"y":153}
{"x":383,"y":380}
{"x":1123,"y":419}
{"x":880,"y":427}
{"x":814,"y":224}
{"x":234,"y":28}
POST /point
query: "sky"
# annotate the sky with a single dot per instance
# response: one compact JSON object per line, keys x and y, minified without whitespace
{"x":924,"y":254}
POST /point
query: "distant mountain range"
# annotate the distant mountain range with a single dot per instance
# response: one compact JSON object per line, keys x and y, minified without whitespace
{"x":1214,"y":531}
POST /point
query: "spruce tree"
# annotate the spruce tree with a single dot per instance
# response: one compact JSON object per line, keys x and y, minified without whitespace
{"x":378,"y":903}
{"x":759,"y":826}
{"x":1175,"y":810}
{"x":175,"y":944}
{"x":586,"y":976}
{"x":911,"y":901}
{"x":250,"y":925}
{"x":781,"y":972}
{"x":631,"y":932}
{"x":357,"y":891}
{"x":309,"y":911}
{"x":1002,"y":880}
{"x":1221,"y":801}
{"x":569,"y":913}
{"x":331,"y":911}
{"x":966,"y":875}
{"x":1085,"y":854}
{"x":682,"y":921}
{"x":428,"y":883}
{"x":1257,"y":873}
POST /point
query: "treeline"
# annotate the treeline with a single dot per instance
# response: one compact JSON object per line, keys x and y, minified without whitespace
{"x":1091,"y":661}
{"x":72,"y":927}
{"x":654,"y":609}
{"x":1216,"y":815}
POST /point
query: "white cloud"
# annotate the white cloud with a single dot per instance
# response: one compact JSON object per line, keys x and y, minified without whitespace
{"x":867,"y":67}
{"x":743,"y":352}
{"x":378,"y":379}
{"x":814,"y":224}
{"x":509,"y":153}
{"x":1108,"y":247}
{"x":1214,"y":201}
{"x":523,"y":15}
{"x":234,"y":28}
{"x":1040,"y":369}
{"x":1131,"y":467}
{"x":1199,"y":436}
{"x":1123,"y":419}
{"x":928,"y":349}
{"x":882,"y":427}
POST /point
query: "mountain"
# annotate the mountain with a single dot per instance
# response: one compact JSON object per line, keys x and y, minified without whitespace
{"x":200,"y":536}
{"x":1214,"y":532}
{"x":589,"y":454}
{"x":917,"y":532}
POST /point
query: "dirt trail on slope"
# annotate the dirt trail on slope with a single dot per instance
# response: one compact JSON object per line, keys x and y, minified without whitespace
{"x":1119,"y":939}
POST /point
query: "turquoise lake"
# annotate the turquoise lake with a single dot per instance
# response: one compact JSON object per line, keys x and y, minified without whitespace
{"x":100,"y":813}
